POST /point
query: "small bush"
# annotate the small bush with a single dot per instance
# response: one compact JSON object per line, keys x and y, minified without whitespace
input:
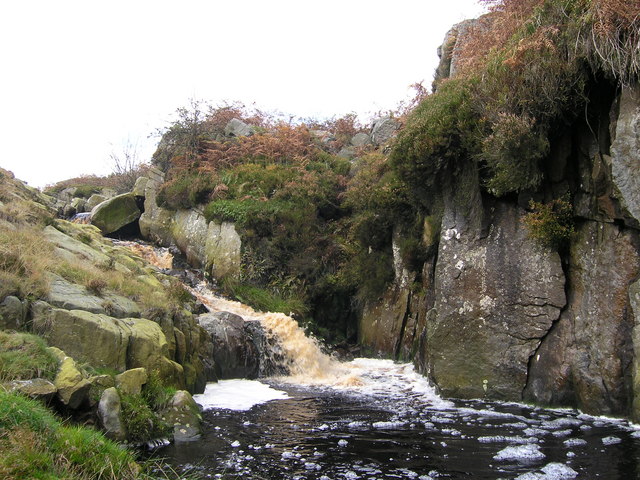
{"x":96,"y":286}
{"x":265,"y":301}
{"x":440,"y":132}
{"x":513,"y":153}
{"x":551,"y":224}
{"x":141,"y":423}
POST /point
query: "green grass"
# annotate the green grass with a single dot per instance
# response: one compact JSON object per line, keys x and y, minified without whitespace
{"x":35,"y":444}
{"x":24,"y":356}
{"x":265,"y":301}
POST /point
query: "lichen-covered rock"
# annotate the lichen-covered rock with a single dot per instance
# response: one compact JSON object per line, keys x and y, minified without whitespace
{"x":497,"y":295}
{"x":38,"y":388}
{"x":131,"y":381}
{"x":361,"y":140}
{"x":70,"y":248}
{"x":223,"y":251}
{"x":99,"y":340}
{"x":148,"y":348}
{"x":67,"y":295}
{"x":383,"y":129}
{"x":115,"y":213}
{"x":110,"y":415}
{"x":93,"y":201}
{"x":72,"y":387}
{"x":585,"y":360}
{"x":183,"y":413}
{"x":140,"y":186}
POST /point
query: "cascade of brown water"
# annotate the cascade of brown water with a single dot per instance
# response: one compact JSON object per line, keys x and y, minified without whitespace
{"x":307,"y":362}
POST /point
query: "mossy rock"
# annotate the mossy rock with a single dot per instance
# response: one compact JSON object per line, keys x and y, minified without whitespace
{"x":115,"y":213}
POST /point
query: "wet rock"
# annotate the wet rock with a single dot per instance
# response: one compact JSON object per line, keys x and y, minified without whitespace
{"x":586,"y":360}
{"x":110,"y":415}
{"x":79,"y":204}
{"x":131,"y":381}
{"x":115,"y":213}
{"x":37,"y":388}
{"x":497,"y":295}
{"x":183,"y":414}
{"x":234,"y":352}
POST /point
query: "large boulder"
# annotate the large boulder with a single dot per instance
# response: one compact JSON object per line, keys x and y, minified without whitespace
{"x":110,"y":415}
{"x":234,"y":351}
{"x":383,"y":129}
{"x":130,"y":382}
{"x":115,"y":213}
{"x":97,"y":339}
{"x":497,"y":295}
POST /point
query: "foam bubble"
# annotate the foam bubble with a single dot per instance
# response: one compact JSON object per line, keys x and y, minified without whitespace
{"x":520,"y":453}
{"x":237,"y":395}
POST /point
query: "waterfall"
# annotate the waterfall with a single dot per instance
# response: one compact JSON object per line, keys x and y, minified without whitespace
{"x":283,"y":344}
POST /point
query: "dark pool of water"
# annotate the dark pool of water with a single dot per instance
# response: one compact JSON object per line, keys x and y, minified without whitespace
{"x":321,"y":433}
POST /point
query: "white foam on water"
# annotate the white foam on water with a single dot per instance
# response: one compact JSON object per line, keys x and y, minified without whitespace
{"x":505,"y":439}
{"x":611,"y":440}
{"x":237,"y":395}
{"x":574,"y":442}
{"x":551,"y":471}
{"x":521,"y":453}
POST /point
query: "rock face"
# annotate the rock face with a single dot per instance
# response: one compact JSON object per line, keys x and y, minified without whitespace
{"x":585,"y":360}
{"x":496,"y":298}
{"x":108,"y":342}
{"x":502,"y":317}
{"x":115,"y":213}
{"x":237,"y":128}
{"x":625,"y":160}
{"x":214,"y":246}
{"x":234,"y":351}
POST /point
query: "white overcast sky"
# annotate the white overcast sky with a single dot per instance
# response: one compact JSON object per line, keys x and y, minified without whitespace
{"x":79,"y":79}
